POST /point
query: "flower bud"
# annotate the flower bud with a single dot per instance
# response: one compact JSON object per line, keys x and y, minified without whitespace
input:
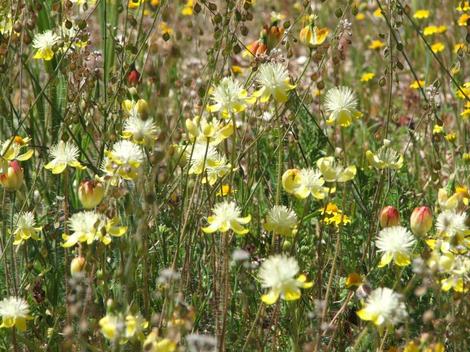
{"x":142,"y":108}
{"x":12,"y":178}
{"x":90,"y":193}
{"x":76,"y":266}
{"x":389,"y":216}
{"x":133,"y":77}
{"x":421,"y":221}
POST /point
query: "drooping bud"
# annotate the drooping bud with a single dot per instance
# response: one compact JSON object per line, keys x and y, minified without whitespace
{"x":142,"y":108}
{"x":76,"y":265}
{"x":421,"y":220}
{"x":389,"y":216}
{"x":90,"y":193}
{"x":133,"y":77}
{"x":12,"y":178}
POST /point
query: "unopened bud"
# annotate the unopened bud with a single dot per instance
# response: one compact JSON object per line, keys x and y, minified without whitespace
{"x":90,"y":193}
{"x":77,"y":265}
{"x":12,"y":178}
{"x":421,"y":220}
{"x":389,"y":216}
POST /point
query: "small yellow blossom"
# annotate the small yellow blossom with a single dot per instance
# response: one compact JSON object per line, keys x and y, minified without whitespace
{"x":153,"y":343}
{"x":25,"y":228}
{"x":437,"y":129}
{"x":333,"y":215}
{"x":463,"y":6}
{"x":12,"y":149}
{"x":44,"y":43}
{"x":421,"y":14}
{"x":378,"y":13}
{"x":367,"y":76}
{"x":463,"y":19}
{"x":395,"y":243}
{"x":459,"y":46}
{"x":302,"y":183}
{"x":204,"y":131}
{"x":376,"y":44}
{"x":431,"y":30}
{"x":360,"y":16}
{"x":281,"y":220}
{"x":417,"y":84}
{"x":165,"y":29}
{"x":437,"y":47}
{"x":313,"y":35}
{"x":188,"y":8}
{"x":226,"y":190}
{"x":464,"y":91}
{"x":451,"y":137}
{"x":353,"y":279}
{"x":274,"y":81}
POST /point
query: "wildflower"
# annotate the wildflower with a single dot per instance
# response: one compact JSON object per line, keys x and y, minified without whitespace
{"x":395,"y":243}
{"x":135,"y":326}
{"x":304,"y":182}
{"x":335,"y":215}
{"x":341,"y":103}
{"x":451,"y":137}
{"x":378,"y":13}
{"x":367,"y":76}
{"x":64,"y":154}
{"x":437,"y":129}
{"x":76,"y":265}
{"x":6,"y":24}
{"x":140,"y":131}
{"x":277,"y":273}
{"x":111,"y":228}
{"x":135,"y":108}
{"x":353,"y":279}
{"x":111,"y":327}
{"x":421,"y":220}
{"x":155,"y":344}
{"x":431,"y":30}
{"x":227,"y":216}
{"x":226,"y":190}
{"x":91,"y":193}
{"x":258,"y":47}
{"x":421,"y":14}
{"x":229,"y":97}
{"x":376,"y":44}
{"x":44,"y":43}
{"x":14,"y":312}
{"x":312,"y":35}
{"x":124,"y":160}
{"x":449,"y":223}
{"x":464,"y":91}
{"x":463,"y":6}
{"x":417,"y":84}
{"x":25,"y":228}
{"x":12,"y":149}
{"x":459,"y":46}
{"x":212,"y":132}
{"x":332,"y":172}
{"x":12,"y":177}
{"x":437,"y":47}
{"x":389,"y":216}
{"x":463,"y":19}
{"x":84,"y":227}
{"x":385,"y":158}
{"x":281,"y":221}
{"x":188,"y":8}
{"x":205,"y":158}
{"x":360,"y":16}
{"x":274,"y":79}
{"x":384,"y":308}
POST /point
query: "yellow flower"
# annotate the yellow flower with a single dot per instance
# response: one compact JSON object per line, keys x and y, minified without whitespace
{"x":367,"y":76}
{"x":188,"y":8}
{"x":395,"y":243}
{"x":111,"y":327}
{"x":376,"y":44}
{"x":341,"y":103}
{"x":463,"y":6}
{"x":165,"y":29}
{"x":135,"y":325}
{"x":111,"y":228}
{"x":236,"y":70}
{"x":451,"y":137}
{"x":43,"y":43}
{"x":278,"y":274}
{"x":437,"y":129}
{"x":135,"y":108}
{"x":14,"y":312}
{"x":226,"y":190}
{"x":378,"y":13}
{"x":417,"y":84}
{"x":206,"y":159}
{"x":313,"y":36}
{"x":229,"y":97}
{"x":431,"y":30}
{"x":463,"y":19}
{"x":459,"y":46}
{"x":227,"y":216}
{"x":63,"y":154}
{"x":203,"y":131}
{"x":303,"y":183}
{"x":332,"y":172}
{"x":385,"y":158}
{"x":437,"y":47}
{"x":274,"y":80}
{"x":124,"y":160}
{"x":280,"y":220}
{"x":25,"y":228}
{"x":353,"y":279}
{"x":135,"y":4}
{"x":334,"y":216}
{"x":466,"y":89}
{"x":155,"y":344}
{"x":360,"y":16}
{"x":12,"y":149}
{"x":421,"y":14}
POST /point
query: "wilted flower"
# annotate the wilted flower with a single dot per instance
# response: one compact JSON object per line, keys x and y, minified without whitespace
{"x":227,"y":216}
{"x":384,"y":308}
{"x":332,"y":172}
{"x":389,"y":216}
{"x":341,"y":103}
{"x":64,"y":154}
{"x":278,"y":274}
{"x":25,"y":228}
{"x":395,"y":243}
{"x":229,"y":97}
{"x":44,"y":43}
{"x":304,"y":182}
{"x":421,"y":220}
{"x":281,"y":221}
{"x":274,"y":81}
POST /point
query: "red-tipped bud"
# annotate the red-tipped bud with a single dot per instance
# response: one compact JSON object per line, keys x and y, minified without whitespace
{"x":421,"y":221}
{"x":90,"y":193}
{"x":12,"y":179}
{"x":389,"y":216}
{"x":76,"y":265}
{"x":133,"y":77}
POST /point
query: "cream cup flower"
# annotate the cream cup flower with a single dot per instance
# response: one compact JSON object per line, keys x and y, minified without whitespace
{"x":14,"y":312}
{"x":140,"y":131}
{"x":63,"y":154}
{"x":202,"y":131}
{"x":25,"y":228}
{"x":229,"y":98}
{"x":12,"y":149}
{"x":278,"y":274}
{"x":274,"y":81}
{"x":304,"y":182}
{"x":385,"y":158}
{"x":281,"y":220}
{"x":332,"y":172}
{"x":43,"y":43}
{"x":227,"y":216}
{"x":124,"y":160}
{"x":395,"y":243}
{"x":341,"y":104}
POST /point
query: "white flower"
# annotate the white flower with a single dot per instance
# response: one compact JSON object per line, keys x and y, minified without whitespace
{"x":278,"y":273}
{"x":84,"y":227}
{"x":341,"y":103}
{"x":141,"y":131}
{"x":304,"y":182}
{"x":281,"y":220}
{"x":205,"y":158}
{"x":14,"y":312}
{"x":383,"y":307}
{"x":43,"y":43}
{"x":274,"y":79}
{"x":450,"y":223}
{"x":63,"y":154}
{"x":395,"y":243}
{"x":25,"y":227}
{"x":229,"y":97}
{"x":226,"y":216}
{"x":123,"y":160}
